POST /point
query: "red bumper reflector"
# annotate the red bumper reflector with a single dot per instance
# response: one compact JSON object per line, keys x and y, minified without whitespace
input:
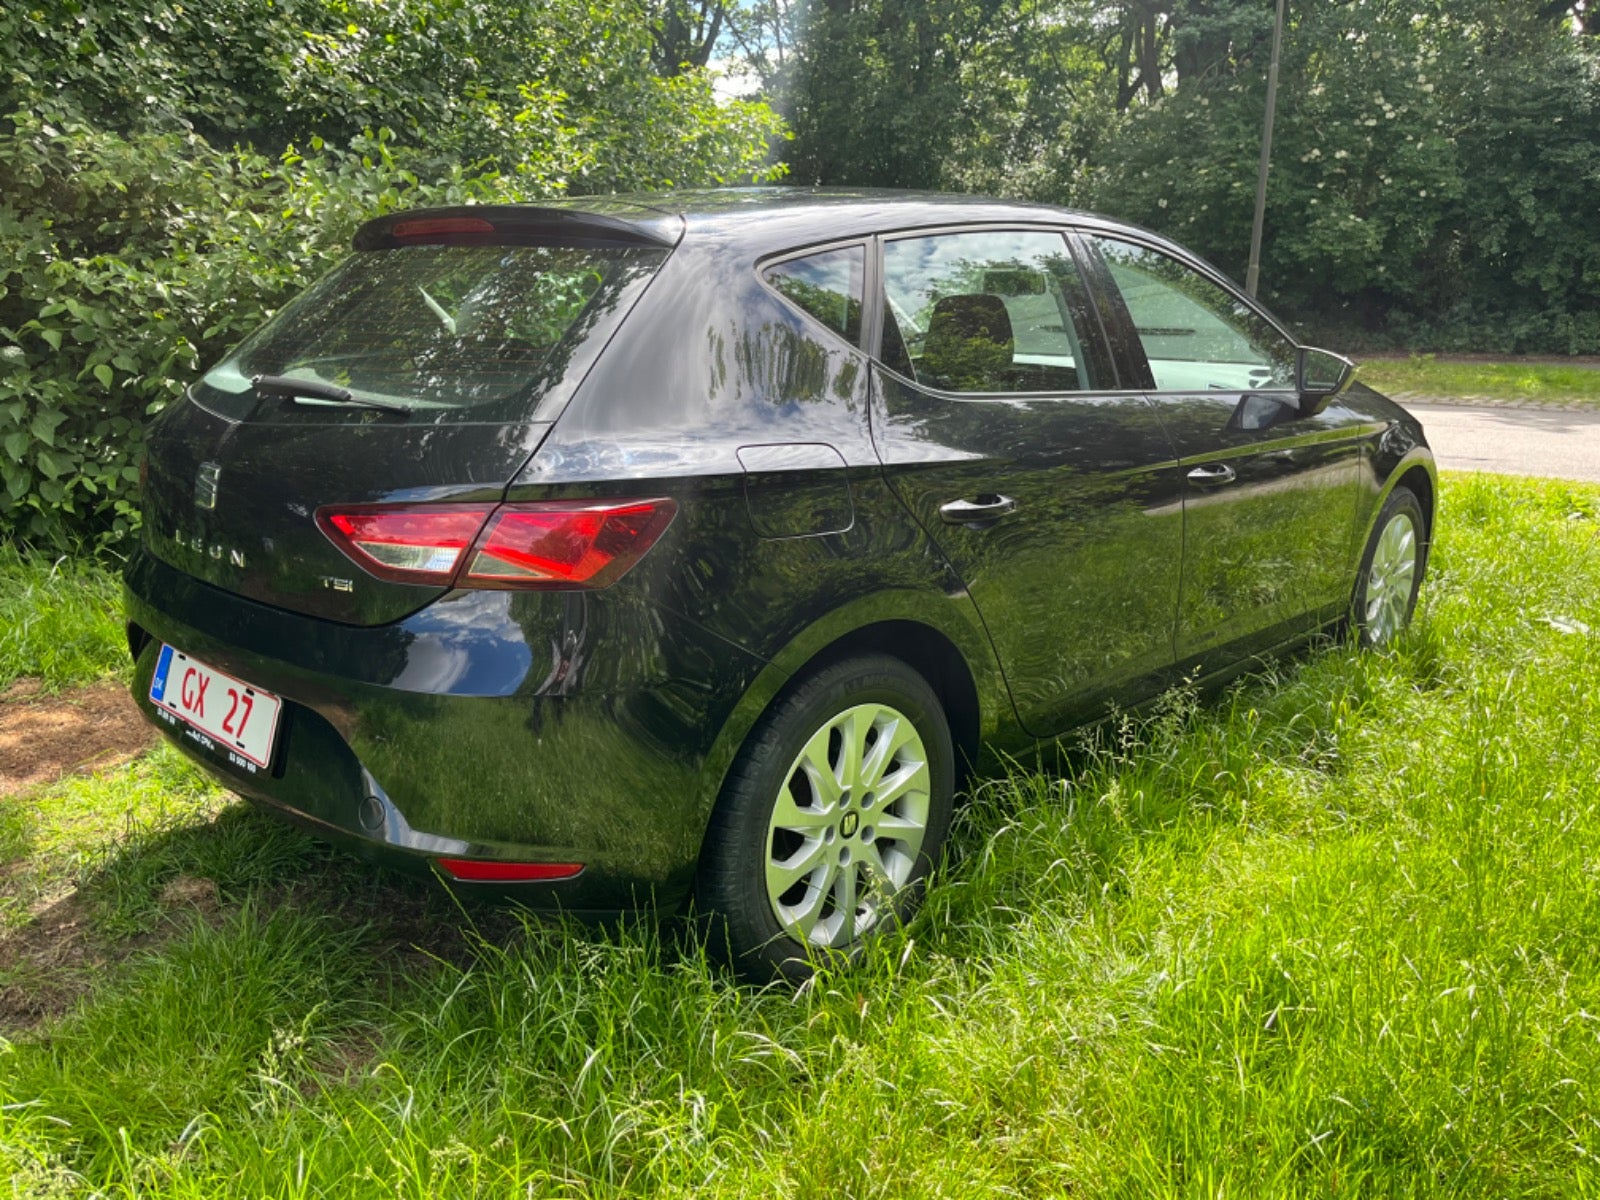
{"x":479,"y":870}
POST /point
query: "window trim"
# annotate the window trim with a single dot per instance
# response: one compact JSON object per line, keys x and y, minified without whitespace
{"x":1098,"y":344}
{"x":1133,"y":347}
{"x":864,"y":244}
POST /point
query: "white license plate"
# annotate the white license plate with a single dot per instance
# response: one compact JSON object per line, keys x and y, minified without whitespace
{"x":235,"y":718}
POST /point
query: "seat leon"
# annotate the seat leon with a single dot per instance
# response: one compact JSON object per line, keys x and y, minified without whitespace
{"x":694,"y":546}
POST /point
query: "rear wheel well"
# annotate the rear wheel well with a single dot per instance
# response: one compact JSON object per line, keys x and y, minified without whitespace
{"x":934,"y":657}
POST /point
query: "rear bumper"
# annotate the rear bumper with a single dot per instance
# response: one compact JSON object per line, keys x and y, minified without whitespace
{"x":553,"y":727}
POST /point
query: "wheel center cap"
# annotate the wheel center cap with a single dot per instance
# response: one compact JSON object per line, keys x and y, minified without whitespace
{"x":847,"y":827}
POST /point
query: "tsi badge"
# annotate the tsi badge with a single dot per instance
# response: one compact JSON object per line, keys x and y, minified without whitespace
{"x":205,"y":485}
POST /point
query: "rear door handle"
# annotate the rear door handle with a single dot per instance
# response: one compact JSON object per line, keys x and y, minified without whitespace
{"x":984,"y":509}
{"x":1213,"y":474}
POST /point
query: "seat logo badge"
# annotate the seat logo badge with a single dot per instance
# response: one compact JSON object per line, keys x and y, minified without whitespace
{"x":205,"y":485}
{"x":847,"y":827}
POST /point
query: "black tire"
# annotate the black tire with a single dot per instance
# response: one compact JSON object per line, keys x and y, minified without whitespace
{"x":1375,"y":620}
{"x":871,"y":694}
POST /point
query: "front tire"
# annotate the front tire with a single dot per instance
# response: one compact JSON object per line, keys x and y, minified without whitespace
{"x":830,"y":820}
{"x":1391,"y":570}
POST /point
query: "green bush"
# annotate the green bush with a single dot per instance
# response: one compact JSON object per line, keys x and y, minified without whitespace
{"x":126,"y":261}
{"x":170,"y":175}
{"x":1434,"y":166}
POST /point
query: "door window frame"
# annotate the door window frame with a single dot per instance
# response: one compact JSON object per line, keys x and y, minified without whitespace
{"x":1092,"y":337}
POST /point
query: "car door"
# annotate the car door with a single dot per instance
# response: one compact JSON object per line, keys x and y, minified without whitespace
{"x":1054,"y":493}
{"x":1270,"y":493}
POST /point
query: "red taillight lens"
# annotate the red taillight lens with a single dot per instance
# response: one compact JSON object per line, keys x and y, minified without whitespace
{"x":560,"y":544}
{"x":551,"y":544}
{"x":408,"y":544}
{"x":440,"y":229}
{"x":477,"y":870}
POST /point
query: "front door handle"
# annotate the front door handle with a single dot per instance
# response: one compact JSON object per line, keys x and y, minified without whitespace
{"x":982,"y":511}
{"x":1213,"y":474}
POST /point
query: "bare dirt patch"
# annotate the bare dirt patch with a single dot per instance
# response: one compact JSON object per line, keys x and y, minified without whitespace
{"x":44,"y":737}
{"x":46,"y":965}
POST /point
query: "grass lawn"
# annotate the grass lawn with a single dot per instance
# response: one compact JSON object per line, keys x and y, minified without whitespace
{"x":60,"y":621}
{"x":1333,"y":932}
{"x":1424,"y":375}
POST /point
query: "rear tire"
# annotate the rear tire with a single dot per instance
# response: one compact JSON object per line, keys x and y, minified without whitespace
{"x":830,"y":821}
{"x":1391,"y":570}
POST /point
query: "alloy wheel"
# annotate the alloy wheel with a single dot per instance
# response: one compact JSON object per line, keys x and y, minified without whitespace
{"x":1391,"y":579}
{"x":847,"y":825}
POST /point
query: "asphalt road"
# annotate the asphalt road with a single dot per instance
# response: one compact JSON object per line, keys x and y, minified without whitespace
{"x":1513,"y":441}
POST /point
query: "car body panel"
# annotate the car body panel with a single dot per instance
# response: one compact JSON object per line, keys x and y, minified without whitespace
{"x":1091,"y":554}
{"x":599,"y":727}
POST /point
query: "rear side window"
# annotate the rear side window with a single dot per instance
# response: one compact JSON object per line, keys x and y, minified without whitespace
{"x":990,"y":311}
{"x":446,"y":332}
{"x":826,"y":285}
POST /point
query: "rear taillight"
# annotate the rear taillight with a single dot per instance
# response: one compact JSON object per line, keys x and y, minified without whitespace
{"x":406,"y":543}
{"x":561,"y":545}
{"x":546,"y":545}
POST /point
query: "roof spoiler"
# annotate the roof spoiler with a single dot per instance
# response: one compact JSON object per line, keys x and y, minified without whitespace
{"x":516,"y":225}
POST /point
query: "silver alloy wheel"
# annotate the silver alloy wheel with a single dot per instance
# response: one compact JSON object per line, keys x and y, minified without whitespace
{"x":848,"y":825}
{"x":1390,"y":579}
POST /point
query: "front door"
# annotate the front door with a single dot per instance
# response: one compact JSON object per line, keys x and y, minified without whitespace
{"x":998,"y":418}
{"x":1270,"y":494}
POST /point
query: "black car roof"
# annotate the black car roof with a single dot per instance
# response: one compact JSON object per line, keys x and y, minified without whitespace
{"x":756,"y":220}
{"x":768,"y":219}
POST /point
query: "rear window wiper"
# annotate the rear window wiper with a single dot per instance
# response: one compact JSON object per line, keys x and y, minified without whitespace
{"x":314,"y":391}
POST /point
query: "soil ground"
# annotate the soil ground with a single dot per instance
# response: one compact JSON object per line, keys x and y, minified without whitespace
{"x":44,"y":737}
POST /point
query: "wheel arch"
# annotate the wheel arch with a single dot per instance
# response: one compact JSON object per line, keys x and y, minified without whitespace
{"x":1415,"y":470}
{"x":938,"y":635}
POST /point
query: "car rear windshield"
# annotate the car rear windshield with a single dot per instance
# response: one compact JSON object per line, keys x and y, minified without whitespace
{"x":433,"y":333}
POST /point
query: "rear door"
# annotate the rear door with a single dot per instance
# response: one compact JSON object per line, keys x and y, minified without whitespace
{"x":1053,"y":491}
{"x":1269,"y":494}
{"x":420,"y":371}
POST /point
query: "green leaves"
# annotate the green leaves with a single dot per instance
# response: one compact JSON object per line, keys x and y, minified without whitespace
{"x":173,"y":174}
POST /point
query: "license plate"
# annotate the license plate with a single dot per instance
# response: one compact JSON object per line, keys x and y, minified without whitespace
{"x":232,"y":717}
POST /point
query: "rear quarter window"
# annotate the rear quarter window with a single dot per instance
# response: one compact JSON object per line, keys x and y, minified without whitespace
{"x":828,"y":285}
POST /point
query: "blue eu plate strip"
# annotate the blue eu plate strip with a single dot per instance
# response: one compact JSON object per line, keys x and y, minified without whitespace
{"x":158,"y":684}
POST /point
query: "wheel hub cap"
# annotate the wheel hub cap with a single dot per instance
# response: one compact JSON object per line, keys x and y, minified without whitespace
{"x":1390,"y":580}
{"x":848,"y":825}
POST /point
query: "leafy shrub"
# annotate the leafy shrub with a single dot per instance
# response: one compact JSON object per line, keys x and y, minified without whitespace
{"x":171,"y":174}
{"x":125,"y":263}
{"x":1430,"y":175}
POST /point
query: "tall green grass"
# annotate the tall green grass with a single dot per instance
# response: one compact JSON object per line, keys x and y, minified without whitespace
{"x":60,"y":619}
{"x":1334,"y":932}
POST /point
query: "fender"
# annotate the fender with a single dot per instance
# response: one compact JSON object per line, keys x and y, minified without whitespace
{"x":956,"y":620}
{"x":1401,"y":452}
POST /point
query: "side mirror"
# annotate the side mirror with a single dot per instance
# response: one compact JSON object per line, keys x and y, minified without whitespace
{"x":1319,"y":376}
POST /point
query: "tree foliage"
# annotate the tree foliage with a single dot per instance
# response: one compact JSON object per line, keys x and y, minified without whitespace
{"x":1434,"y":165}
{"x":171,"y":173}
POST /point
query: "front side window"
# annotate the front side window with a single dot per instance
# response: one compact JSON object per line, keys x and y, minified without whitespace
{"x":1197,"y":335}
{"x":826,"y":285}
{"x":999,"y":311}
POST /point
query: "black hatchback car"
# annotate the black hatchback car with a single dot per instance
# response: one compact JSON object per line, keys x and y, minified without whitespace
{"x":693,"y":545}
